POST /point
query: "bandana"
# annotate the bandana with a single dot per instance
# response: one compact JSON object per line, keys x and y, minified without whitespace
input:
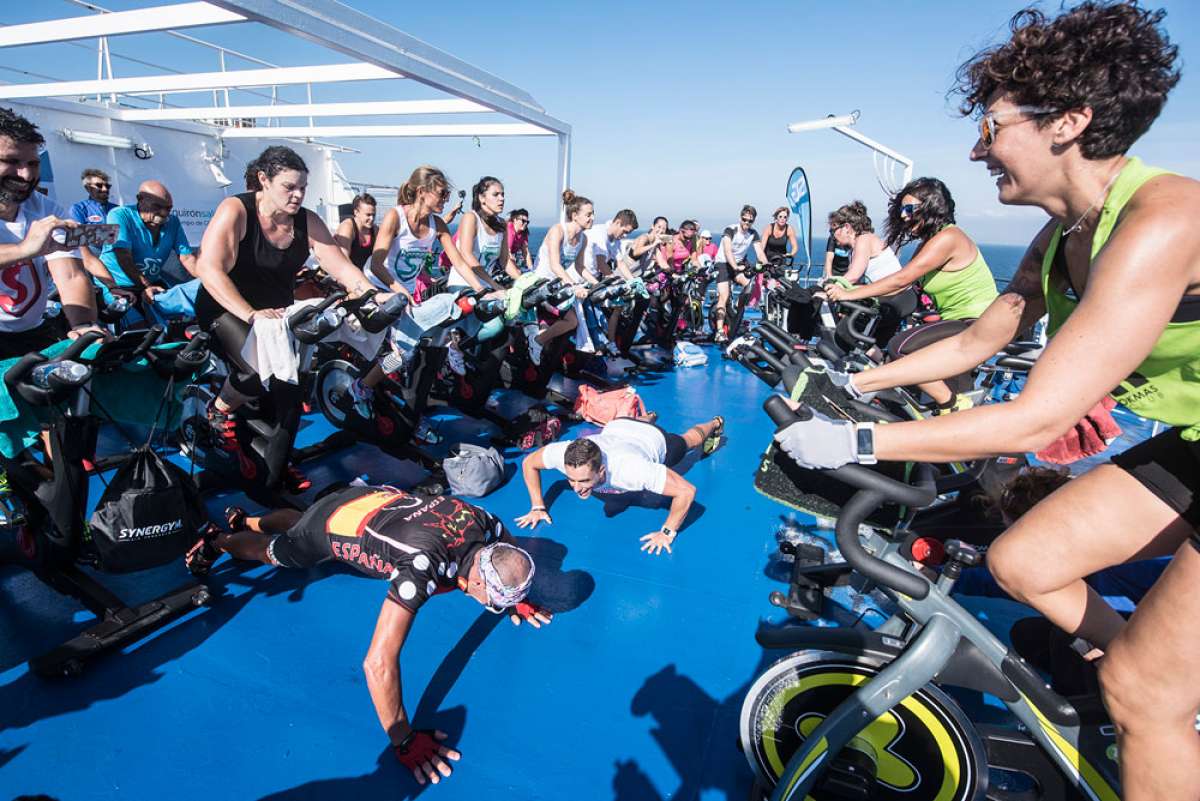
{"x":500,"y":597}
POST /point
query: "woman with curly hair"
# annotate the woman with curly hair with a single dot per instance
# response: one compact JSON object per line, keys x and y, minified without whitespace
{"x":949,"y":267}
{"x":1117,"y":267}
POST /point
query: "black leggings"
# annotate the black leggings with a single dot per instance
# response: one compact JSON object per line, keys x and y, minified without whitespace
{"x":281,"y":404}
{"x":922,"y":336}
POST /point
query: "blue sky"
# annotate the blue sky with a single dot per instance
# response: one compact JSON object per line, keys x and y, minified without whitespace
{"x":680,"y":108}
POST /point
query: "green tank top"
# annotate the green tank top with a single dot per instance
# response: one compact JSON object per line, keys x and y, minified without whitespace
{"x":1166,"y":386}
{"x":962,"y":294}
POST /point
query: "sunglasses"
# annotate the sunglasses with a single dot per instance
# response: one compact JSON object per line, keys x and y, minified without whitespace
{"x":989,"y":126}
{"x":98,"y":185}
{"x":908,"y":209}
{"x":748,"y":220}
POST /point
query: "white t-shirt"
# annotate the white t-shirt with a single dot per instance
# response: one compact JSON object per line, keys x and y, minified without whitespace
{"x":26,"y":285}
{"x":599,"y":244}
{"x":633,"y":454}
{"x":739,"y":242}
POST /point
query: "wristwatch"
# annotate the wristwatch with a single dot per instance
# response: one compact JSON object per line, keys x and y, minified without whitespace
{"x":864,"y":438}
{"x":670,"y":532}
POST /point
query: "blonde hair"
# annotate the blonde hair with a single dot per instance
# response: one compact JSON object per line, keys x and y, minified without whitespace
{"x":426,"y":177}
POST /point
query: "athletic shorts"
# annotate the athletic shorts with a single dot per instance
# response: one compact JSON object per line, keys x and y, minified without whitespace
{"x":1169,"y":467}
{"x":676,"y":447}
{"x":306,"y":544}
{"x":725,"y":273}
{"x":15,"y":344}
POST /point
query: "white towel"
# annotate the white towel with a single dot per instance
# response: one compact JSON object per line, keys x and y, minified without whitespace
{"x":271,"y":350}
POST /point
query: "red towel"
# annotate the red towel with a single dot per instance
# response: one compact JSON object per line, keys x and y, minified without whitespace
{"x":1090,"y":436}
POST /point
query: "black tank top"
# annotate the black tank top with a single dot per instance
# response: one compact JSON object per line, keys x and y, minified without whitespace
{"x":775,"y":245}
{"x":359,"y":253}
{"x":263,"y":274}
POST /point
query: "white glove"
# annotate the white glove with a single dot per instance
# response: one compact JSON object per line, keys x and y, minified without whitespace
{"x":820,"y":443}
{"x":846,"y":382}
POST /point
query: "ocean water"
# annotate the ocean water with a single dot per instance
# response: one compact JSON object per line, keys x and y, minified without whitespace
{"x":1002,"y":259}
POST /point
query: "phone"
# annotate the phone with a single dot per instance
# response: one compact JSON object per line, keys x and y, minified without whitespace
{"x":90,"y":234}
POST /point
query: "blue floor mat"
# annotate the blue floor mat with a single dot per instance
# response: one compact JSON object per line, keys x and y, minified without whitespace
{"x":632,"y":693}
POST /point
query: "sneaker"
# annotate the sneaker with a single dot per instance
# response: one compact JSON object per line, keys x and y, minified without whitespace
{"x":956,"y":404}
{"x":296,"y":482}
{"x":355,"y":398}
{"x":223,"y":428}
{"x":201,"y":556}
{"x":535,"y":347}
{"x":426,"y":434}
{"x":455,"y":360}
{"x":713,"y":441}
{"x":12,"y":509}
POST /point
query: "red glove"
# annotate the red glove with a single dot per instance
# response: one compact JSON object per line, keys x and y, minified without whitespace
{"x":419,"y":747}
{"x":528,"y":612}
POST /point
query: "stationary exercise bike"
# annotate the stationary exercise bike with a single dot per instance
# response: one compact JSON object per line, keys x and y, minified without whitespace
{"x":854,"y":714}
{"x":54,"y":542}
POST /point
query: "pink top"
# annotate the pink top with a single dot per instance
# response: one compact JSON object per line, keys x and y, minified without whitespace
{"x":676,"y":253}
{"x":517,"y":241}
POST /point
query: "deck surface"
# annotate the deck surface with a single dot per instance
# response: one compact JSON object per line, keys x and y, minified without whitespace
{"x":632,"y":693}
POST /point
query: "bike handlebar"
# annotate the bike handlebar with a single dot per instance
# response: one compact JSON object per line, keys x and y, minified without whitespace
{"x":874,"y":490}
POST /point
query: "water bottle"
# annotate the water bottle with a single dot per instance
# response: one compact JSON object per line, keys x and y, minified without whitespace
{"x":66,"y":372}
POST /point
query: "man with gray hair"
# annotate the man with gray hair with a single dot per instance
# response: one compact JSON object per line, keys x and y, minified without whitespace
{"x":423,"y":546}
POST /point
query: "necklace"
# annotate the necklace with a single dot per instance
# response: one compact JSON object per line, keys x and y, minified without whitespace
{"x":1103,"y":194}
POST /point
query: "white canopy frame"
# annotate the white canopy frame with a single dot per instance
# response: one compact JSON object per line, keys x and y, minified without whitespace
{"x":887,"y":162}
{"x":378,"y":50}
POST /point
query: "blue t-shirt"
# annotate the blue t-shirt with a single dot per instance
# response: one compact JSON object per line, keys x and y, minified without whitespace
{"x":148,"y":255}
{"x":90,"y":211}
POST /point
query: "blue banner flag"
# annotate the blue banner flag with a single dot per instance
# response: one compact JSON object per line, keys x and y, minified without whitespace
{"x":800,"y":202}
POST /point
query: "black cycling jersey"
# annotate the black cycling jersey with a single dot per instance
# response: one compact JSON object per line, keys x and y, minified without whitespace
{"x":418,"y":544}
{"x":263,"y":274}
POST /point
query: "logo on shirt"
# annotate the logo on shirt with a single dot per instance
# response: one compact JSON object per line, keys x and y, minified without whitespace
{"x":20,"y":287}
{"x":408,"y":264}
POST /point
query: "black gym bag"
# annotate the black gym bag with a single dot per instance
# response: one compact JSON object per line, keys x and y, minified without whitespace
{"x":149,"y":515}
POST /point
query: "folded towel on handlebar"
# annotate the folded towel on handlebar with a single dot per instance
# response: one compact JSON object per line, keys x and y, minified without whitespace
{"x":1090,"y":436}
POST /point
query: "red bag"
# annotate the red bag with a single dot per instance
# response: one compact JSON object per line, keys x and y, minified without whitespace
{"x":603,"y":407}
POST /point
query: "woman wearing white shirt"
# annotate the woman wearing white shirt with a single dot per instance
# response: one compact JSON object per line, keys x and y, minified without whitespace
{"x":872,"y":260}
{"x":562,"y":256}
{"x":481,"y":235}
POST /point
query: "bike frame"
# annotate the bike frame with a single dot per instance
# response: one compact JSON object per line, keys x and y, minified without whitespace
{"x":942,"y":629}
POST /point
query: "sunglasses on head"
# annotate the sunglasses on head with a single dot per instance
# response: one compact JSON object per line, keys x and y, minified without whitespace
{"x":989,"y":126}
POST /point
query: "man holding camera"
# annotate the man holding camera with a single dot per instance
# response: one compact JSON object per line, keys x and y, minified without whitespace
{"x":32,"y":260}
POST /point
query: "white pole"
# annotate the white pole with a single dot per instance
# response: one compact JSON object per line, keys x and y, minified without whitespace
{"x":564,"y":170}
